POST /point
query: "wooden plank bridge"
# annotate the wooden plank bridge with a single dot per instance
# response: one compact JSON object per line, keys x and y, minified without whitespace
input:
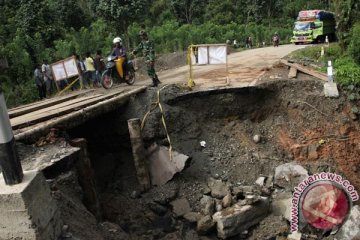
{"x":68,"y":111}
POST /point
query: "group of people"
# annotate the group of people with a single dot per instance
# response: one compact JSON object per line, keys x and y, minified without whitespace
{"x":43,"y":79}
{"x":91,"y":68}
{"x":249,"y":43}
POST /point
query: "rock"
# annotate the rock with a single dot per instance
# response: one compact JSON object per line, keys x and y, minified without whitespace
{"x":260,"y":181}
{"x":206,"y":190}
{"x":219,"y":189}
{"x":351,"y":228}
{"x":191,"y":235}
{"x":192,"y":216}
{"x":281,"y":205}
{"x":256,"y":138}
{"x":204,"y":225}
{"x":113,"y":231}
{"x":227,"y":201}
{"x":236,"y":219}
{"x":240,"y":191}
{"x":294,"y":236}
{"x":157,"y":208}
{"x":180,"y":207}
{"x":166,"y":193}
{"x":208,"y":205}
{"x":289,"y":175}
{"x":135,"y":194}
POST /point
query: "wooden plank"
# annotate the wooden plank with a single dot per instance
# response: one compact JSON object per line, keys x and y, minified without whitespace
{"x":78,"y":117}
{"x":292,"y":73}
{"x":57,"y":110}
{"x":21,"y":110}
{"x":306,"y":70}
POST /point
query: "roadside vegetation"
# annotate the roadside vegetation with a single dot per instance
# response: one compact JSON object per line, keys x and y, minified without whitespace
{"x":33,"y":30}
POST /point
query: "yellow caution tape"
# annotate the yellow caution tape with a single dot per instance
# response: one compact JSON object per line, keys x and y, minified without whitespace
{"x":153,"y":106}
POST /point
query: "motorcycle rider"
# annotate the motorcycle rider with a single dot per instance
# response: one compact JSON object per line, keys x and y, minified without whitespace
{"x":147,"y":48}
{"x":119,"y":51}
{"x":276,"y":39}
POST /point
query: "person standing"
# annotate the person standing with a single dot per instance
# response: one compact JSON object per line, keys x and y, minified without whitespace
{"x":90,"y":68}
{"x":46,"y":71}
{"x":81,"y":67}
{"x":99,"y":65}
{"x":147,"y":47}
{"x":39,"y":81}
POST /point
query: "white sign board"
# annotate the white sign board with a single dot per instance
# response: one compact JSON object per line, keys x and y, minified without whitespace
{"x":71,"y":68}
{"x":210,"y":54}
{"x":64,"y":69}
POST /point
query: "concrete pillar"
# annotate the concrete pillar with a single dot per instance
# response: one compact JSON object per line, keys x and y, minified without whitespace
{"x":28,"y":211}
{"x":9,"y":159}
{"x":139,"y":154}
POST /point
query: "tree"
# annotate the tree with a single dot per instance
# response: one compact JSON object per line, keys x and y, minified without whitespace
{"x":347,"y":13}
{"x":187,"y":11}
{"x":122,"y":13}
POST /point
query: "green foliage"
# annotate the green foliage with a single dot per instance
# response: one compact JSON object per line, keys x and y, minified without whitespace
{"x":354,"y":48}
{"x":313,"y":53}
{"x":347,"y":71}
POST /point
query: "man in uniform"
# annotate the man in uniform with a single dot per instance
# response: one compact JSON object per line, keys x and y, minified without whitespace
{"x":147,"y":48}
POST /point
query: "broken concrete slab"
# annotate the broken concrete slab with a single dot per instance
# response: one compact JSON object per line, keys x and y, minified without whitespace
{"x":331,"y":90}
{"x":180,"y":207}
{"x":289,"y":175}
{"x":237,"y":219}
{"x":351,"y":228}
{"x":162,"y":168}
{"x":219,"y":189}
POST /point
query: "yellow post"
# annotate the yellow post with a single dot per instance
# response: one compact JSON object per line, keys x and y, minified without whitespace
{"x":190,"y":52}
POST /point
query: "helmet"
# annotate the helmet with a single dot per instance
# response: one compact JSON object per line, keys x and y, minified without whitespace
{"x":117,"y":40}
{"x":142,"y":33}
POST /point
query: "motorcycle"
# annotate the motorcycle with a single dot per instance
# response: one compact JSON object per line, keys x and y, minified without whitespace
{"x":275,"y":40}
{"x":115,"y":73}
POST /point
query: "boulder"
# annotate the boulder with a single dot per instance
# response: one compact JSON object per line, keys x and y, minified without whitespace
{"x":227,"y":201}
{"x":192,"y":216}
{"x":281,"y":205}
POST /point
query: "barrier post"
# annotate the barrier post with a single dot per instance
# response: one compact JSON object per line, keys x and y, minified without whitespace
{"x":9,"y":158}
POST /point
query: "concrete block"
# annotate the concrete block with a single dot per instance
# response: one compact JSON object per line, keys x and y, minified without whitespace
{"x":234,"y":220}
{"x":27,"y":209}
{"x":331,"y":90}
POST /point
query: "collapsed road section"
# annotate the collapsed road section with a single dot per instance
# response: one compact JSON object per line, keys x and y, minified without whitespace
{"x":242,"y":152}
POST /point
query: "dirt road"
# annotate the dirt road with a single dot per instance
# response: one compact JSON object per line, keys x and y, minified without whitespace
{"x":244,"y":68}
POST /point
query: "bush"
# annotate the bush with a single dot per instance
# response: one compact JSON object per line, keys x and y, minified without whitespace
{"x":354,"y":48}
{"x":347,"y":72}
